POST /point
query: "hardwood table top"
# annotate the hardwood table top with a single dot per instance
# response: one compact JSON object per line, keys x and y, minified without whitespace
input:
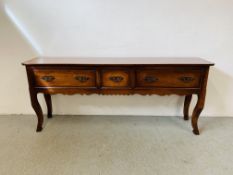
{"x":194,"y":61}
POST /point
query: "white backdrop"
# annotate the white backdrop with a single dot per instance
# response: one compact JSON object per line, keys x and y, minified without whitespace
{"x":202,"y":28}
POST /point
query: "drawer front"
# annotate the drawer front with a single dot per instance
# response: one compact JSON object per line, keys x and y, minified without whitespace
{"x":168,"y":78}
{"x":65,"y":78}
{"x":115,"y":78}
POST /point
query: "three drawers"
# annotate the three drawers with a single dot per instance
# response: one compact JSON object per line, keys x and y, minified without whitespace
{"x":118,"y":78}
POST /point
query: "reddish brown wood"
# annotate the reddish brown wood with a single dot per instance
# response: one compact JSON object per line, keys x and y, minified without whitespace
{"x":133,"y":61}
{"x":64,"y":77}
{"x":117,"y":91}
{"x":48,"y":101}
{"x":187,"y":102}
{"x":200,"y":103}
{"x":108,"y":76}
{"x":34,"y":101}
{"x":36,"y":106}
{"x":115,"y":78}
{"x":168,"y":78}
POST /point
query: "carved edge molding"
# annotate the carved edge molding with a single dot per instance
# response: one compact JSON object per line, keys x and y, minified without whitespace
{"x":115,"y":92}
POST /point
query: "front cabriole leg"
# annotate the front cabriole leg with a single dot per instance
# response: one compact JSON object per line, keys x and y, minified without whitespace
{"x":187,"y":102}
{"x":48,"y":101}
{"x":196,"y":113}
{"x":37,"y":108}
{"x":200,"y":102}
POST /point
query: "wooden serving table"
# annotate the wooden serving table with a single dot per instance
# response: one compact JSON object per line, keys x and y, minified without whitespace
{"x":125,"y":76}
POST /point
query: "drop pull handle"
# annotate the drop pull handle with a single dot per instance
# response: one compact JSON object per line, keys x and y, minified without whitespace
{"x":48,"y":78}
{"x":186,"y":79}
{"x":150,"y":79}
{"x":82,"y":79}
{"x":116,"y":79}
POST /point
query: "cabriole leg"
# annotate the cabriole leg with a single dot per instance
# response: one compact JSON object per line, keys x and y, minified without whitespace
{"x":48,"y":101}
{"x":37,"y":108}
{"x":196,"y":113}
{"x":187,"y":102}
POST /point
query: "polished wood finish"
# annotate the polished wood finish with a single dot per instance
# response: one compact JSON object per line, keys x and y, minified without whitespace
{"x":132,"y":61}
{"x":48,"y":101}
{"x":187,"y":103}
{"x":59,"y":77}
{"x":169,"y":77}
{"x":123,"y":76}
{"x":115,"y":78}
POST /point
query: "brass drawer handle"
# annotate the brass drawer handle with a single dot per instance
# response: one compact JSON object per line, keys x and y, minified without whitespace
{"x":48,"y":78}
{"x":150,"y":79}
{"x":116,"y":79}
{"x":82,"y":79}
{"x":186,"y":79}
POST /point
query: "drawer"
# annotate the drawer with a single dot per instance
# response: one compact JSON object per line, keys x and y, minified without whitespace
{"x":168,"y":78}
{"x":65,"y":78}
{"x":115,"y":78}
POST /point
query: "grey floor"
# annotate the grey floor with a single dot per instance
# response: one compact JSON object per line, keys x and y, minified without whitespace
{"x":115,"y":145}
